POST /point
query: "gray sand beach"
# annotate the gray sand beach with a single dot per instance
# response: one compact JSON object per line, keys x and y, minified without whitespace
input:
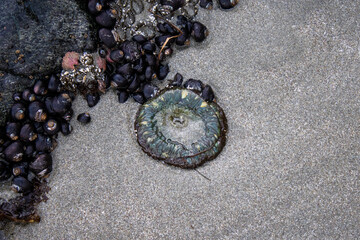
{"x":287,"y":75}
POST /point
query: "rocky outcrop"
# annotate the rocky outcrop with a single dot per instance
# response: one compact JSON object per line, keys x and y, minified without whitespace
{"x":34,"y":36}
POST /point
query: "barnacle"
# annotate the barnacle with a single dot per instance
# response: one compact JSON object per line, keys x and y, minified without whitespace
{"x":180,"y":128}
{"x":86,"y":76}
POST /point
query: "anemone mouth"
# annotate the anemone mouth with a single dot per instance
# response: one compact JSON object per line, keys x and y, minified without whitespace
{"x":180,"y":128}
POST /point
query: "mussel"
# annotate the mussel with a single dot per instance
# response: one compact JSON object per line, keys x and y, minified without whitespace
{"x":21,"y":185}
{"x":84,"y":117}
{"x":28,"y":133}
{"x":13,"y":130}
{"x":14,"y":152}
{"x":18,"y":111}
{"x":37,"y":111}
{"x":42,"y":165}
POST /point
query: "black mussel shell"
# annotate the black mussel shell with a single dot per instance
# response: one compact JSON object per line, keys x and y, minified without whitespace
{"x":37,"y":112}
{"x":107,"y":37}
{"x":149,"y":47}
{"x":132,"y":50}
{"x":20,"y":169}
{"x":4,"y":171}
{"x":49,"y":105}
{"x":189,"y":26}
{"x":68,"y":115}
{"x":227,"y":4}
{"x":31,"y":176}
{"x":181,"y":20}
{"x":163,"y":71}
{"x":40,"y":87}
{"x":149,"y":73}
{"x":135,"y":83}
{"x":141,"y":78}
{"x":105,"y":19}
{"x":38,"y":127}
{"x":116,"y":55}
{"x":150,"y":91}
{"x":94,"y":6}
{"x":123,"y":96}
{"x":177,"y":81}
{"x":28,"y":133}
{"x":150,"y":59}
{"x":30,"y":151}
{"x":139,"y":38}
{"x":45,"y":143}
{"x":183,"y":39}
{"x":14,"y":152}
{"x":18,"y":111}
{"x":119,"y":82}
{"x":51,"y":126}
{"x":61,"y":103}
{"x":84,"y":117}
{"x":207,"y":4}
{"x":160,"y":40}
{"x":193,"y":84}
{"x":126,"y":69}
{"x":17,"y":96}
{"x":70,"y":94}
{"x":42,"y":165}
{"x":170,"y":29}
{"x":199,"y":31}
{"x":21,"y":185}
{"x":139,"y":65}
{"x":28,"y":95}
{"x":110,"y":68}
{"x":139,"y":97}
{"x":175,"y":4}
{"x":92,"y":99}
{"x":161,"y":27}
{"x":54,"y":84}
{"x":13,"y":130}
{"x":208,"y":94}
{"x":66,"y":128}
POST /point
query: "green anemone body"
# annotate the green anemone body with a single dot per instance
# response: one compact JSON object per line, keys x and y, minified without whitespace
{"x":180,"y":128}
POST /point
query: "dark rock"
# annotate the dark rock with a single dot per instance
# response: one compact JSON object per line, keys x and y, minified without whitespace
{"x":30,"y":30}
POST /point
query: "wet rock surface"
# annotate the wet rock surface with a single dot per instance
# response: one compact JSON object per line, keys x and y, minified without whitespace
{"x":34,"y":36}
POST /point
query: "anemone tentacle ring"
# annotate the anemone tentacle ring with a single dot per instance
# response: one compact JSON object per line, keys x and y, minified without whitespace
{"x":180,"y":128}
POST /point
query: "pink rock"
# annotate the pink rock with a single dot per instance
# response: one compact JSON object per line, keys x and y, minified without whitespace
{"x":100,"y":62}
{"x":70,"y":60}
{"x":108,"y":57}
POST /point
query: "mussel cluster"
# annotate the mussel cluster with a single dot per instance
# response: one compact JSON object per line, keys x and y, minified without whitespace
{"x":182,"y":125}
{"x":133,"y":64}
{"x":124,"y":18}
{"x":26,"y":141}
